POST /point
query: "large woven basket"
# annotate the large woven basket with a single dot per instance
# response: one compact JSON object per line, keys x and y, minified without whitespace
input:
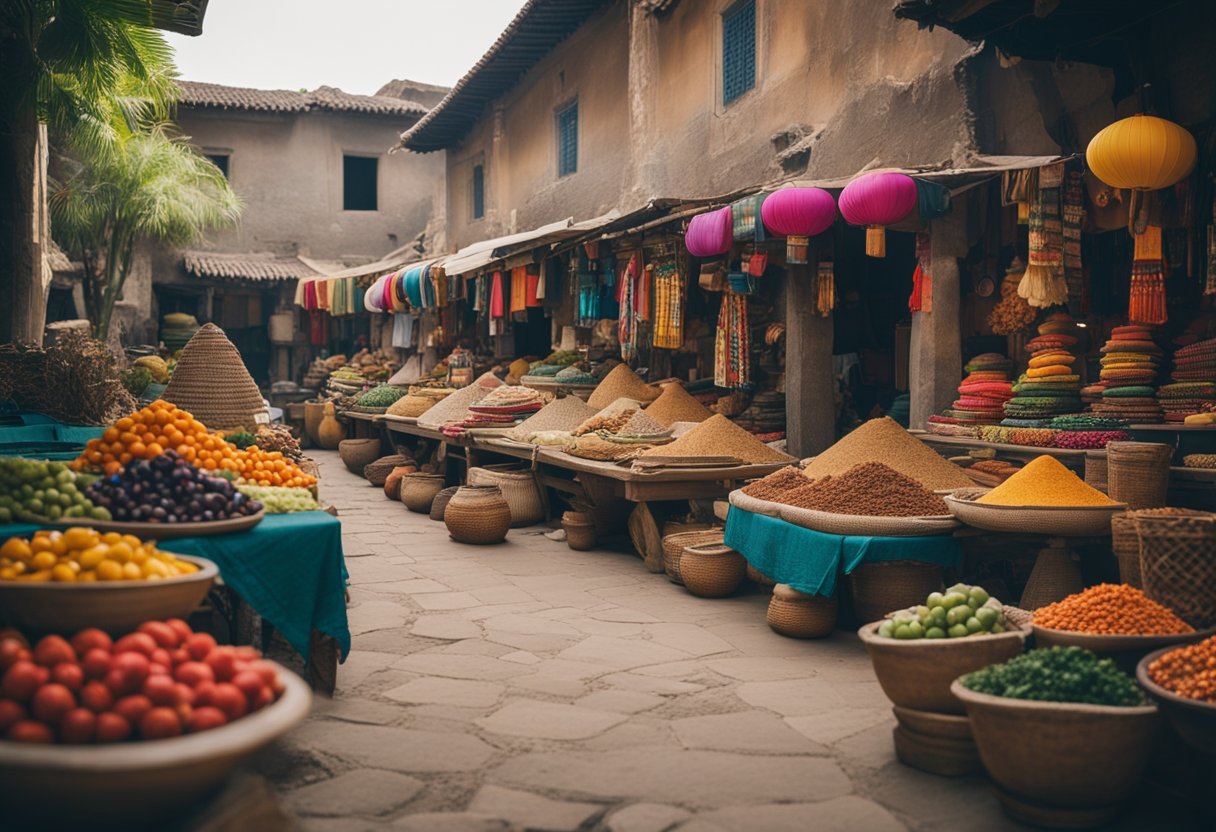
{"x":889,"y":585}
{"x":1096,"y":470}
{"x":1061,"y":521}
{"x":579,"y":536}
{"x":1178,"y":562}
{"x":440,"y":503}
{"x":478,"y":514}
{"x":377,"y":472}
{"x":357,"y":454}
{"x":518,"y":487}
{"x":1138,"y":473}
{"x":673,"y":548}
{"x":798,"y":615}
{"x":418,"y":491}
{"x":392,"y":482}
{"x":1125,"y":543}
{"x":1055,"y":576}
{"x":712,"y":570}
{"x":754,"y":504}
{"x":211,"y":382}
{"x":855,"y":524}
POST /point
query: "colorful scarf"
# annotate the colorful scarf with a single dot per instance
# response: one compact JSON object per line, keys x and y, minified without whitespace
{"x":1074,"y":218}
{"x":731,"y":350}
{"x":519,"y":289}
{"x":668,"y":305}
{"x":627,"y":297}
{"x":1043,"y":283}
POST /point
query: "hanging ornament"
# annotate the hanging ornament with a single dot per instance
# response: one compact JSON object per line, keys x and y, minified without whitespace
{"x":877,"y":200}
{"x":1141,"y":153}
{"x":798,"y":214}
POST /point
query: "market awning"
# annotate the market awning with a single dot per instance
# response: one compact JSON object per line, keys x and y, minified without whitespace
{"x":390,"y":262}
{"x":481,"y":254}
{"x":981,"y":169}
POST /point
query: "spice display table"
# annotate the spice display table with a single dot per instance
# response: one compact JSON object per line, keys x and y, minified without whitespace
{"x":809,"y":561}
{"x":959,"y":445}
{"x":363,"y":425}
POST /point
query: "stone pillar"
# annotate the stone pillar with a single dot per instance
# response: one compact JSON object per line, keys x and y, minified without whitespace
{"x":810,"y":384}
{"x":936,"y":361}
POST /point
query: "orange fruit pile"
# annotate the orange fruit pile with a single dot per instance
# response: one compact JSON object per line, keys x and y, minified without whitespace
{"x":269,"y":468}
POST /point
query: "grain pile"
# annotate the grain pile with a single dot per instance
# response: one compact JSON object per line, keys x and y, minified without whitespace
{"x":560,"y":414}
{"x":606,"y":421}
{"x":719,"y":436}
{"x":1045,"y":482}
{"x":775,"y":484}
{"x":870,"y":489}
{"x":1111,"y":609}
{"x":674,"y":404}
{"x":640,"y":424}
{"x":883,"y":440}
{"x":456,"y":406}
{"x":621,"y":382}
{"x":419,"y":401}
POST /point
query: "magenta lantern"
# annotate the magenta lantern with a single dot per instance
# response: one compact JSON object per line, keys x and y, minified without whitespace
{"x":710,"y":234}
{"x":798,"y":214}
{"x":878,"y":199}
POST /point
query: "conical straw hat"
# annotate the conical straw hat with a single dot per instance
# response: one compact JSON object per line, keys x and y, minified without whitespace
{"x":211,"y":382}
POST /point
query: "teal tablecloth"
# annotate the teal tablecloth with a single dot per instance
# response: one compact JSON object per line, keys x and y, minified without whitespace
{"x":290,"y":568}
{"x":809,"y":561}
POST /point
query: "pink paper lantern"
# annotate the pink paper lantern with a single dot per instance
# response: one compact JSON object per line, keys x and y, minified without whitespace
{"x":709,"y":234}
{"x":798,"y":214}
{"x":876,"y":200}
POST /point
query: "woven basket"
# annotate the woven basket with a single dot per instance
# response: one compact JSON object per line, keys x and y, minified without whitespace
{"x":211,"y":382}
{"x":798,"y":615}
{"x":1126,"y":545}
{"x":392,"y":483}
{"x":754,"y":504}
{"x":313,"y":413}
{"x":712,"y":570}
{"x":478,"y":514}
{"x":1138,"y":473}
{"x":1096,"y":470}
{"x":357,"y":454}
{"x":674,"y":543}
{"x":440,"y":503}
{"x":418,"y":491}
{"x":879,"y":588}
{"x":856,"y":524}
{"x":1055,"y":576}
{"x":1178,"y":562}
{"x":377,"y":472}
{"x":579,"y":536}
{"x":519,"y":488}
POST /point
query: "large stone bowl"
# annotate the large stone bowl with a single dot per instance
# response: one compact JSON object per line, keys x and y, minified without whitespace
{"x":1194,"y":721}
{"x":136,"y":785}
{"x":917,"y":674}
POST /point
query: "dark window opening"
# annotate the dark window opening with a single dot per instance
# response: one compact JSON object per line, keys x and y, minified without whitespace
{"x":738,"y":50}
{"x":567,"y":140}
{"x":359,"y":183}
{"x":479,"y":192}
{"x":220,"y":160}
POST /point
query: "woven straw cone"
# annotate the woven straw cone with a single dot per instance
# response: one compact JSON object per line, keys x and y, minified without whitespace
{"x":712,"y":571}
{"x":1055,"y":576}
{"x":1138,"y":473}
{"x":797,"y":615}
{"x":880,"y":588}
{"x":673,"y":548}
{"x":1126,"y":545}
{"x":211,"y":382}
{"x":478,"y":514}
{"x":1178,"y":562}
{"x":520,"y":490}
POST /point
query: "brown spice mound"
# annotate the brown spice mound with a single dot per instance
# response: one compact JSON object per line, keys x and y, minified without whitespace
{"x":611,"y":422}
{"x":883,"y":440}
{"x":719,"y":436}
{"x":775,"y":484}
{"x":622,"y":381}
{"x":871,"y":489}
{"x":675,"y":404}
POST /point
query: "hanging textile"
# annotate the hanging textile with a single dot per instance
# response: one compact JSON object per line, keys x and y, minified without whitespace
{"x":323,"y":294}
{"x":610,"y":281}
{"x":316,"y":328}
{"x":1210,"y":286}
{"x":1074,"y":219}
{"x":627,"y":323}
{"x":921,"y":299}
{"x":532,"y":285}
{"x":439,"y":284}
{"x":745,"y":218}
{"x":403,"y":331}
{"x":1017,"y":188}
{"x":519,"y":289}
{"x":932,"y":200}
{"x":588,"y":288}
{"x":497,"y":307}
{"x":731,"y":350}
{"x":825,"y":290}
{"x":1043,"y":284}
{"x":299,"y":296}
{"x":668,"y":305}
{"x":310,"y":295}
{"x":1146,"y":301}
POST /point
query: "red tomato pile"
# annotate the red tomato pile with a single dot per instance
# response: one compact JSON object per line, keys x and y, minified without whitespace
{"x":163,"y":680}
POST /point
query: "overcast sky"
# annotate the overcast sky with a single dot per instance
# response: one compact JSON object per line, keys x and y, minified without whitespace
{"x":356,"y":45}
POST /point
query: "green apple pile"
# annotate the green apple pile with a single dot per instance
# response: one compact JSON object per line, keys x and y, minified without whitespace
{"x":960,"y":611}
{"x":37,"y":491}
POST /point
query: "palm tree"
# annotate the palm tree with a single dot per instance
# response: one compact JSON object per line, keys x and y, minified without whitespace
{"x":145,"y":185}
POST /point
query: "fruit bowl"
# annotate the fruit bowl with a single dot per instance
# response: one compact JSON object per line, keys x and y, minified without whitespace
{"x":1194,"y":721}
{"x":135,"y":784}
{"x":113,"y":606}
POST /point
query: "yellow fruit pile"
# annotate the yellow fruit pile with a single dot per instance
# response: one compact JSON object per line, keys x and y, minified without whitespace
{"x":84,"y":555}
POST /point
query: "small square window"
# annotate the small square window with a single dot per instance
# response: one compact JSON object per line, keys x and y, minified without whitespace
{"x":359,"y":183}
{"x":567,"y":140}
{"x":479,"y":191}
{"x":220,"y":160}
{"x":738,"y":50}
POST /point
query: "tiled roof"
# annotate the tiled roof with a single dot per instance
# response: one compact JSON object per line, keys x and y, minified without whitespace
{"x":245,"y":266}
{"x":199,"y":94}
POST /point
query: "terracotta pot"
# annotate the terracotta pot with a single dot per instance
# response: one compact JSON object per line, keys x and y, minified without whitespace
{"x":330,"y":432}
{"x":392,"y":483}
{"x":478,"y":514}
{"x":1060,"y":764}
{"x":418,"y":491}
{"x":798,"y":615}
{"x":918,"y":673}
{"x":357,"y":454}
{"x":712,"y":571}
{"x":939,"y":744}
{"x":314,"y":412}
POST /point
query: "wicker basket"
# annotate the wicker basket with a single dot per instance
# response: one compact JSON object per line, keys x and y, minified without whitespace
{"x":1178,"y":562}
{"x":211,"y":382}
{"x":440,"y":503}
{"x":1096,"y":470}
{"x":357,"y":454}
{"x":478,"y":514}
{"x":879,"y":588}
{"x":798,"y":615}
{"x":392,"y":483}
{"x":519,"y":488}
{"x":712,"y":570}
{"x":674,"y":543}
{"x":579,"y":536}
{"x":377,"y":472}
{"x":1138,"y":473}
{"x":418,"y":491}
{"x":1126,"y":545}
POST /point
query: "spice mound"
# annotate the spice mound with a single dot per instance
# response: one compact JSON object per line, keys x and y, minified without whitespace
{"x":621,"y":382}
{"x":564,"y":414}
{"x":1045,"y":482}
{"x":719,"y":436}
{"x":883,"y":440}
{"x":775,"y":484}
{"x":1111,"y":609}
{"x":675,"y":404}
{"x":1058,"y":674}
{"x":1189,"y":671}
{"x":872,"y":490}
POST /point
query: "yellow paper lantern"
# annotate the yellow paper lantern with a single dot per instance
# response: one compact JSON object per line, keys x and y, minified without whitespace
{"x":1141,"y":153}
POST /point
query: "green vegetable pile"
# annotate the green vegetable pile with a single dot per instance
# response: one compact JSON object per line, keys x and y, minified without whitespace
{"x":35,"y":491}
{"x":242,"y":440}
{"x":959,"y":612}
{"x":381,"y":396}
{"x":1058,"y":674}
{"x":277,"y":499}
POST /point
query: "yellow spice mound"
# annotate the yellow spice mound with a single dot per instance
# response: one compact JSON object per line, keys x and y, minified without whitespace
{"x":675,"y":404}
{"x":1045,"y":482}
{"x":884,"y":440}
{"x":621,"y":382}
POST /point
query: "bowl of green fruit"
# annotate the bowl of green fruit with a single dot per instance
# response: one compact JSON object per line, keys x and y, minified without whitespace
{"x":36,"y":491}
{"x":917,"y":653}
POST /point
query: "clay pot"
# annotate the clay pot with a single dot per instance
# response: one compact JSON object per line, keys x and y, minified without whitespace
{"x":478,"y":514}
{"x":330,"y":432}
{"x":917,"y":673}
{"x":798,"y":615}
{"x":314,"y":412}
{"x":1056,"y":763}
{"x":392,"y":483}
{"x":418,"y":491}
{"x":712,"y":571}
{"x":357,"y":454}
{"x":579,"y":536}
{"x":939,"y":744}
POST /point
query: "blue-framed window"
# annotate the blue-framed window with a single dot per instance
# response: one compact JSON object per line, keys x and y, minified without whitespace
{"x":479,"y":191}
{"x":738,"y":50}
{"x":567,"y":139}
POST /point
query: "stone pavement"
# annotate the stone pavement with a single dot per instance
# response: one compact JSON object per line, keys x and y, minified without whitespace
{"x":527,"y":686}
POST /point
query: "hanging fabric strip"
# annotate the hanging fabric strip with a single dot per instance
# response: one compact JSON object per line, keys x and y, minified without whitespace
{"x":519,"y":289}
{"x":826,"y":289}
{"x":627,"y":323}
{"x":668,"y":305}
{"x":532,"y":286}
{"x":1146,"y":301}
{"x":497,"y":308}
{"x":732,"y":354}
{"x":1074,"y":219}
{"x":1043,"y":283}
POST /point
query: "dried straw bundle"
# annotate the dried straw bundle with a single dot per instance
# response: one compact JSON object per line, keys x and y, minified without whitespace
{"x":76,"y":380}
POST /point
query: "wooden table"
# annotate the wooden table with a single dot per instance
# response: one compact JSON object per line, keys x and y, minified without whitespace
{"x":363,"y":425}
{"x":960,"y":445}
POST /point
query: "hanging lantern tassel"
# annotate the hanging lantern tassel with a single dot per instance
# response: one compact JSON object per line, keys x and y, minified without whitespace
{"x":876,"y":241}
{"x":826,"y":289}
{"x":1023,"y":213}
{"x":796,"y":249}
{"x":1146,"y":302}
